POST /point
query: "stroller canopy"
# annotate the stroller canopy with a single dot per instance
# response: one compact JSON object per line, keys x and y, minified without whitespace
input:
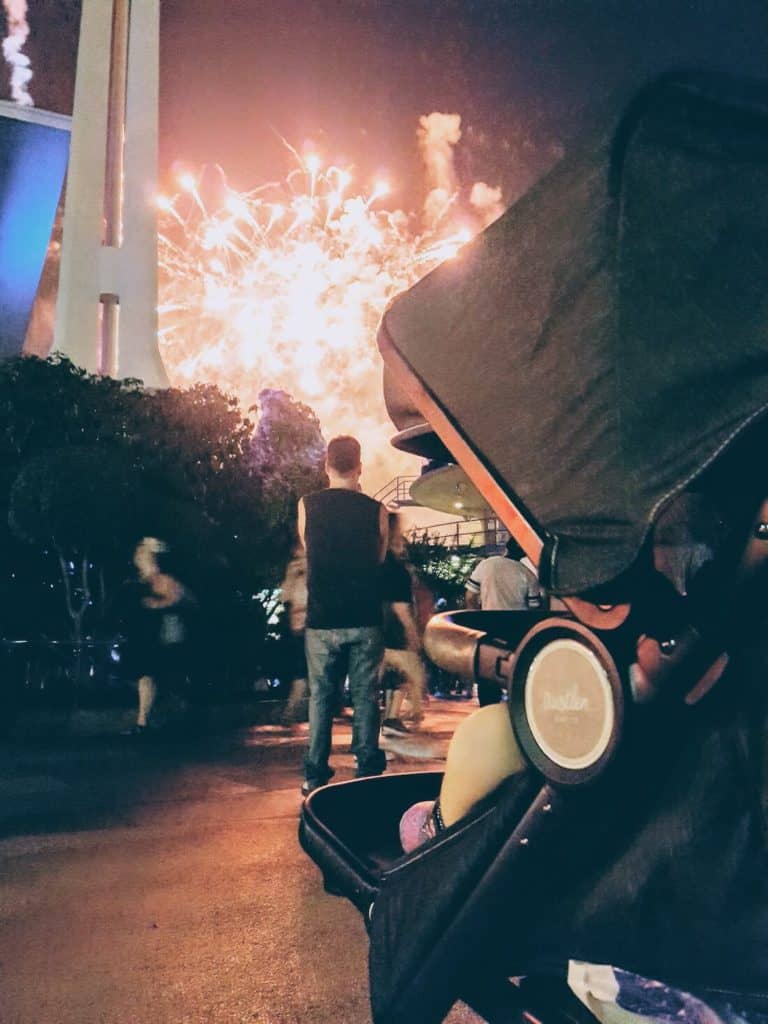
{"x":600,"y":344}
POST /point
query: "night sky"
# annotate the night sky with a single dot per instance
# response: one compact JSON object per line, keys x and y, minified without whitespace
{"x":352,"y":77}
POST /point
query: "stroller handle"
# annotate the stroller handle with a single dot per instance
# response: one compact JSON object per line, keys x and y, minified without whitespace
{"x":467,"y":652}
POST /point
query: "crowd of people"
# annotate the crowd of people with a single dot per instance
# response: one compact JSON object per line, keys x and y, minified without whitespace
{"x":348,"y":594}
{"x":351,"y":621}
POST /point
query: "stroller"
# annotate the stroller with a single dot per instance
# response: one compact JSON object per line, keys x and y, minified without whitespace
{"x":596,"y":362}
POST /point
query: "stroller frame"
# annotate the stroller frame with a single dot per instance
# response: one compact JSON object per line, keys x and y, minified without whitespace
{"x":528,"y":860}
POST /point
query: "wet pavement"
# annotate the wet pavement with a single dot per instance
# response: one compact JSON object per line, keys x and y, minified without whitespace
{"x":157,"y":881}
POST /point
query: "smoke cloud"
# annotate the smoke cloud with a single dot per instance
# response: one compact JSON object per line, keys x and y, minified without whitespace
{"x":13,"y":45}
{"x":437,"y":135}
{"x":487,"y":202}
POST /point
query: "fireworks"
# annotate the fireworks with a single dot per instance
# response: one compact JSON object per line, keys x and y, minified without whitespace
{"x":13,"y":44}
{"x":284,"y":287}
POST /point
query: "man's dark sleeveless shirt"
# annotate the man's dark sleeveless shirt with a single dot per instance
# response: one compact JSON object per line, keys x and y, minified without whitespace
{"x":342,"y":540}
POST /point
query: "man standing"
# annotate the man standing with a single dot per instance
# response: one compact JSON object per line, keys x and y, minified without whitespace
{"x":345,"y":535}
{"x":502,"y":583}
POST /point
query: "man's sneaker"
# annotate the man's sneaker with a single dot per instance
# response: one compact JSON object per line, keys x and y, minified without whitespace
{"x":393,"y":727}
{"x":414,"y":719}
{"x":308,"y":785}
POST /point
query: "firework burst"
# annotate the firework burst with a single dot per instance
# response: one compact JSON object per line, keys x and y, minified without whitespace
{"x":284,"y":286}
{"x":13,"y":51}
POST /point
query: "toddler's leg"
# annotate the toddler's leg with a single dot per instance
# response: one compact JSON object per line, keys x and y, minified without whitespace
{"x":482,"y":753}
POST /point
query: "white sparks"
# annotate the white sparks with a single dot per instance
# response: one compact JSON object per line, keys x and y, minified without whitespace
{"x":13,"y":46}
{"x":284,"y":286}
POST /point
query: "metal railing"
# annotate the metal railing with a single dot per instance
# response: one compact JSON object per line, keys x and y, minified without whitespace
{"x":485,"y":536}
{"x":397,"y":493}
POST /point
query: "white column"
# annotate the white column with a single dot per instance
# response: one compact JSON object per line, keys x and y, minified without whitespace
{"x":138,"y":354}
{"x":77,"y":307}
{"x":124,"y":271}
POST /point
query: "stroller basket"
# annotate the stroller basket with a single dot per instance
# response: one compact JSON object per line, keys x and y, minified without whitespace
{"x":351,"y":830}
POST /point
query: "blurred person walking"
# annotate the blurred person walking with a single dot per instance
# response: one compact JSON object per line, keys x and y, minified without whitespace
{"x":402,"y":646}
{"x":157,"y":629}
{"x":503,"y":583}
{"x":344,"y":533}
{"x":294,"y":597}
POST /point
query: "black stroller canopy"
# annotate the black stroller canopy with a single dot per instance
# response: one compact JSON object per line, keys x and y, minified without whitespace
{"x":607,"y":338}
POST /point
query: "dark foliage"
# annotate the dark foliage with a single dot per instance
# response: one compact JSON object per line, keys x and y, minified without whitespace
{"x":442,"y":569}
{"x":88,"y":464}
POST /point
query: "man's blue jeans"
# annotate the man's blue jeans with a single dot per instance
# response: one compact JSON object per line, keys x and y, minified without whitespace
{"x":332,"y":654}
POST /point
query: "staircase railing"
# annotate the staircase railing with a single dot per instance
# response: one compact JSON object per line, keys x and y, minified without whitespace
{"x":397,"y":492}
{"x":485,"y":536}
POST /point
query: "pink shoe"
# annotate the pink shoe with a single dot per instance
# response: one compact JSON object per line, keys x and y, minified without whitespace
{"x":417,"y":825}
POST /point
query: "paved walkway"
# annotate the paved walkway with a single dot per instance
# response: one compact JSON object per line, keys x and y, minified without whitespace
{"x":143,"y":883}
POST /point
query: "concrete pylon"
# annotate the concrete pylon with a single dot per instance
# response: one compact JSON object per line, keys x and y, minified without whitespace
{"x":106,"y":314}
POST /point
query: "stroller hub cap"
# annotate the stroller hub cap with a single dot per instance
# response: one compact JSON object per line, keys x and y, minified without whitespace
{"x":569,"y":704}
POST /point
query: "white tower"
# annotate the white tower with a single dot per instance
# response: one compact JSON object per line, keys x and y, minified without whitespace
{"x":106,"y":315}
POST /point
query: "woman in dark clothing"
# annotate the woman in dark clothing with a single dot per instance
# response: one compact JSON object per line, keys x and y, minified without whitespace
{"x":402,"y":644}
{"x":156,"y":628}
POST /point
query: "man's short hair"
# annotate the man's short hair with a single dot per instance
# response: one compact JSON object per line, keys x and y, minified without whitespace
{"x":514,"y":550}
{"x":343,"y":455}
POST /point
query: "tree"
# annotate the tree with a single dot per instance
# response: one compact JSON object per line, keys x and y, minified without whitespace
{"x":193,"y":439}
{"x":444,"y":570}
{"x":288,"y":453}
{"x":81,"y":451}
{"x":82,"y":506}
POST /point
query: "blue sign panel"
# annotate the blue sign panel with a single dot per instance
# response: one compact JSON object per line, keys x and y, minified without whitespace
{"x":34,"y":147}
